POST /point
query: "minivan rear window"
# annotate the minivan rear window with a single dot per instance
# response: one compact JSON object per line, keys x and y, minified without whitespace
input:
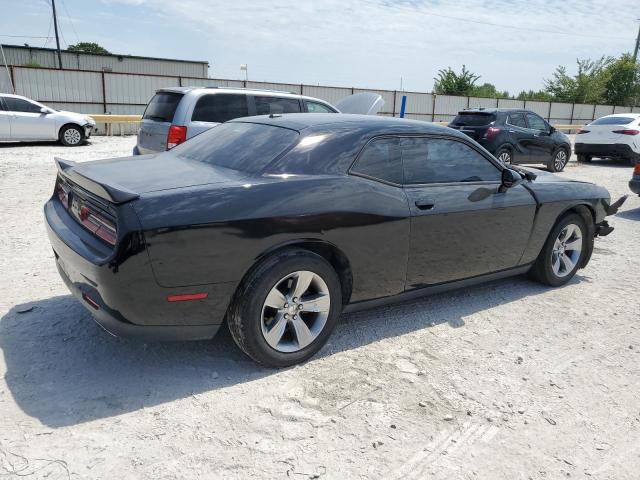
{"x":246,"y":147}
{"x":473,"y":119}
{"x":220,"y":108}
{"x":162,"y":107}
{"x":613,"y":121}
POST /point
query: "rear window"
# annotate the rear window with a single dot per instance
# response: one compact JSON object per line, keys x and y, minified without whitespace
{"x":473,"y":119}
{"x":162,"y":107}
{"x":220,"y":108}
{"x":276,"y":105}
{"x":613,"y":121}
{"x":246,"y":147}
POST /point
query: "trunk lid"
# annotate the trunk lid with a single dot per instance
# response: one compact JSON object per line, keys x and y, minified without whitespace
{"x":365,"y":103}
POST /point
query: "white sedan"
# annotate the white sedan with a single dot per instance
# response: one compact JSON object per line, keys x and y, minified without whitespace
{"x":25,"y":120}
{"x":614,"y":136}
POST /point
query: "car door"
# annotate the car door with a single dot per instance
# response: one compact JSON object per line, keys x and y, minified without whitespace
{"x":541,"y":143}
{"x":5,"y":123}
{"x":520,"y":136}
{"x":28,"y":122}
{"x":461,"y":225}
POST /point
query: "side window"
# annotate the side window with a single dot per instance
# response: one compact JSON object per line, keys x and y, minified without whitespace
{"x":437,"y":160}
{"x":536,"y":123}
{"x":21,"y":105}
{"x":314,"y":107}
{"x":517,"y":120}
{"x":220,"y":108}
{"x":269,"y":105}
{"x":381,"y":159}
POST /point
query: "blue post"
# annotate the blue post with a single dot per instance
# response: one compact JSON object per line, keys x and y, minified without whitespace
{"x":403,"y":105}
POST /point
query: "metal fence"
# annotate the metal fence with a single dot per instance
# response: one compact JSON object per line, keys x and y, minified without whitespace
{"x":98,"y":92}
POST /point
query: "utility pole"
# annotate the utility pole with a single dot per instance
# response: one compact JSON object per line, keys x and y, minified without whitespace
{"x":635,"y":51}
{"x":55,"y":27}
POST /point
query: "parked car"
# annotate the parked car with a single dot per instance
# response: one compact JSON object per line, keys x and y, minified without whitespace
{"x":515,"y":136}
{"x":634,"y":183}
{"x":614,"y":136}
{"x":177,"y":114}
{"x":278,"y":223}
{"x":25,"y":120}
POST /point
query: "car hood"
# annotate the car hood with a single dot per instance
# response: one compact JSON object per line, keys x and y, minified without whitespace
{"x":149,"y":173}
{"x":548,"y":177}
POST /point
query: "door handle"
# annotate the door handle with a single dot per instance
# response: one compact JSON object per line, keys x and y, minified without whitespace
{"x":425,"y":203}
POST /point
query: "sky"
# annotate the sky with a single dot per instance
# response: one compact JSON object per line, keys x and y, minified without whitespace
{"x":513,"y":44}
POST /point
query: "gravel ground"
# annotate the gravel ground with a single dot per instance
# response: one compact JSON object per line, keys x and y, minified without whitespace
{"x":510,"y":380}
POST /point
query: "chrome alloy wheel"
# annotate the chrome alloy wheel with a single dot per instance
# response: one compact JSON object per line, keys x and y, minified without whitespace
{"x":567,"y":250}
{"x":505,"y":157}
{"x":561,"y":160}
{"x":295,"y":311}
{"x":72,"y":136}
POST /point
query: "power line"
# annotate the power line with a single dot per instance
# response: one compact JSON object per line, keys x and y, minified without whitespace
{"x":73,"y":27}
{"x":24,"y":36}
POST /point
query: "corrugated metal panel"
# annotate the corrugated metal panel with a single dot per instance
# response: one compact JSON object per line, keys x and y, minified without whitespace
{"x":560,"y":121}
{"x":622,"y":109}
{"x":58,"y":85}
{"x":418,"y":103}
{"x":583,"y":111}
{"x":635,"y":109}
{"x":134,"y":88}
{"x":77,"y":107}
{"x":603,"y":110}
{"x":387,"y":96}
{"x":541,"y":108}
{"x":510,"y":103}
{"x":449,"y":105}
{"x":219,"y":82}
{"x":283,"y":87}
{"x":561,"y":110}
{"x":416,"y":116}
{"x":328,"y":94}
{"x":5,"y":81}
{"x":443,"y":118}
{"x":479,"y":102}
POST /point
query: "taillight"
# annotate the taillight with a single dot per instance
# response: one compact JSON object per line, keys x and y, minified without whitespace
{"x":177,"y":134}
{"x":627,"y":132}
{"x":581,"y":131}
{"x":62,"y":191}
{"x":492,"y":132}
{"x":636,"y":169}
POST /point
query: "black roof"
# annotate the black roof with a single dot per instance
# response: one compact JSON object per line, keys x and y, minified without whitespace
{"x":492,"y":110}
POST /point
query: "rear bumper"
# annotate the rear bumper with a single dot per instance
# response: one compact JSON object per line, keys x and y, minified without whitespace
{"x":617,"y":150}
{"x":120,"y":290}
{"x":634,"y":185}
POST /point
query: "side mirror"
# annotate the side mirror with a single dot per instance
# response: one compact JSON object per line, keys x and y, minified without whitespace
{"x":45,"y":110}
{"x":551,"y":129}
{"x":510,"y":179}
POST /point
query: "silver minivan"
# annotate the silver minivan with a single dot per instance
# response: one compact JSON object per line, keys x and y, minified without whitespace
{"x":177,"y":114}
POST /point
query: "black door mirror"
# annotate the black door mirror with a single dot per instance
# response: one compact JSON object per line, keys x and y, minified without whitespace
{"x":551,"y":129}
{"x":510,"y":179}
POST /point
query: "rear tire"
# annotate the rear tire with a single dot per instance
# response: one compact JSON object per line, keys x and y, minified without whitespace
{"x":505,"y":155}
{"x":71,"y":136}
{"x":559,"y":160}
{"x":584,"y":158}
{"x":265,"y":314}
{"x":563,"y":252}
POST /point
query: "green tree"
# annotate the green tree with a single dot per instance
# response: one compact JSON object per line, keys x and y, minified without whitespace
{"x":587,"y":86}
{"x":540,"y":95}
{"x":487,"y":90}
{"x":87,"y":47}
{"x":622,"y":85}
{"x":449,"y":82}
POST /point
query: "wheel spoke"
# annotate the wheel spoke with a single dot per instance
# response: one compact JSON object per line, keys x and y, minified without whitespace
{"x":567,"y":262}
{"x":556,"y":264}
{"x":303,"y":334}
{"x":303,"y":280}
{"x":275,"y":299}
{"x":574,"y":245}
{"x":316,"y":303}
{"x":274,"y":335}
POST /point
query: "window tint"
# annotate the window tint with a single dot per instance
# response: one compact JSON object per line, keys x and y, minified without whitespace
{"x":247,"y":147}
{"x":435,"y":160}
{"x":536,"y":123}
{"x":473,"y":119}
{"x":517,"y":120}
{"x":381,"y":159}
{"x":20,"y":105}
{"x":220,"y":108}
{"x":162,"y":107}
{"x":313,"y":107}
{"x":269,"y":105}
{"x":613,"y":121}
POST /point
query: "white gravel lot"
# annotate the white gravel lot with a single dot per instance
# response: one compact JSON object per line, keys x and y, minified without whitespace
{"x":510,"y":380}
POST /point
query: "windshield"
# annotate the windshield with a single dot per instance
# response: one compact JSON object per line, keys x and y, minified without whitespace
{"x":162,"y":107}
{"x":613,"y":121}
{"x":246,"y":147}
{"x":473,"y":119}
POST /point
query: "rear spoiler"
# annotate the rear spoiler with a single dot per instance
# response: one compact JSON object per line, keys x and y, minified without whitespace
{"x":112,"y":193}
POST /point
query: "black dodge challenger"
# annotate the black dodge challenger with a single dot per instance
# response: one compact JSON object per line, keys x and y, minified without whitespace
{"x":277,"y":224}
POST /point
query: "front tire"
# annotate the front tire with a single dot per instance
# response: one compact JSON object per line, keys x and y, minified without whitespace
{"x":286,"y":308}
{"x":559,"y":160}
{"x":563,"y":252}
{"x":71,"y":136}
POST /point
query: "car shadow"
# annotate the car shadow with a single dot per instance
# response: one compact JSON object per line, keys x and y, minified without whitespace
{"x":63,"y":369}
{"x":603,"y":162}
{"x":39,"y":144}
{"x":633,"y":214}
